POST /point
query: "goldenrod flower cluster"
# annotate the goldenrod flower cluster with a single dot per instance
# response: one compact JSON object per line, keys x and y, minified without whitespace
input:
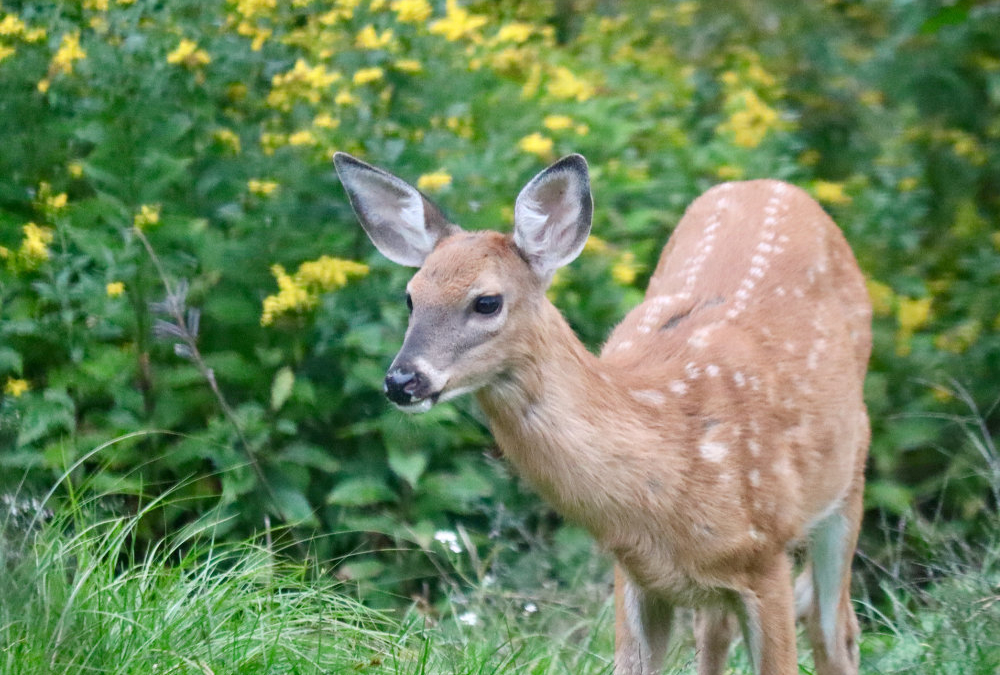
{"x":458,"y":23}
{"x":411,"y":11}
{"x":49,"y":203}
{"x":536,"y":144}
{"x":302,"y":83}
{"x":301,"y":292}
{"x":189,"y":55}
{"x":15,"y":387}
{"x":368,"y":75}
{"x":69,"y":52}
{"x":149,"y":214}
{"x":12,"y":27}
{"x":830,"y":192}
{"x":227,"y":138}
{"x":114,"y":289}
{"x":261,"y":188}
{"x":912,"y":314}
{"x":34,"y":249}
{"x":750,"y":118}
{"x":369,"y":38}
{"x":563,"y":84}
{"x":434,"y":182}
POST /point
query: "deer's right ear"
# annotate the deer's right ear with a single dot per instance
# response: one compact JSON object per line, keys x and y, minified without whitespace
{"x":403,"y":224}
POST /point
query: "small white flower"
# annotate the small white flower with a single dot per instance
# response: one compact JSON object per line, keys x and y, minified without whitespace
{"x":469,"y":618}
{"x":530,"y":608}
{"x":449,"y":539}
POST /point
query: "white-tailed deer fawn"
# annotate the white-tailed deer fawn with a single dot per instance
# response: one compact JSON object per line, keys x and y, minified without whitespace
{"x":722,"y":423}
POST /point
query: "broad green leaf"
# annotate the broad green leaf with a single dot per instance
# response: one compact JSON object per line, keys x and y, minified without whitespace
{"x":281,"y":387}
{"x":360,"y":491}
{"x":409,"y":466}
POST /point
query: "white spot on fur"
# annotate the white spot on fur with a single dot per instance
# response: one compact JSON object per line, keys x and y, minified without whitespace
{"x":679,"y":387}
{"x":692,"y":370}
{"x":754,"y":478}
{"x":713,"y":451}
{"x":780,"y":291}
{"x":712,"y":370}
{"x":754,"y":446}
{"x":624,"y":345}
{"x":755,"y":534}
{"x":650,"y":396}
{"x":739,"y":379}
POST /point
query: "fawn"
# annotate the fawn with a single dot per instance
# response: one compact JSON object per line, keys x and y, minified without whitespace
{"x":722,"y":423}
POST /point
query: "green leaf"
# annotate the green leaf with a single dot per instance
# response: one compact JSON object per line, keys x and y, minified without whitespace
{"x":281,"y":387}
{"x":360,"y":491}
{"x":10,"y":361}
{"x":409,"y":466}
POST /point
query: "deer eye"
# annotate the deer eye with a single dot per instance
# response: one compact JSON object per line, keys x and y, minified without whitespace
{"x":487,"y":304}
{"x":409,"y":303}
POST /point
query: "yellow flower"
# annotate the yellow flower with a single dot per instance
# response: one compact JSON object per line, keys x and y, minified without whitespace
{"x":369,"y":38}
{"x":557,"y":122}
{"x":345,"y":97}
{"x":12,"y":26}
{"x":881,"y":297}
{"x":75,"y":169}
{"x":565,"y":85}
{"x":227,"y":138}
{"x":261,"y":188}
{"x":96,"y":5}
{"x":408,"y":65}
{"x":433,"y":182}
{"x":516,"y":32}
{"x":149,"y":214}
{"x":750,"y":120}
{"x":831,"y":193}
{"x":367,"y":75}
{"x":302,"y":82}
{"x":913,"y":314}
{"x":301,"y":291}
{"x":326,"y":121}
{"x":458,"y":23}
{"x":625,"y":269}
{"x":411,"y":11}
{"x":34,"y":246}
{"x":303,"y":137}
{"x":114,"y":289}
{"x":68,"y":53}
{"x":595,"y":244}
{"x":188,"y":54}
{"x":729,"y":172}
{"x":536,"y":144}
{"x":15,"y":387}
{"x":908,"y":184}
{"x":6,"y":51}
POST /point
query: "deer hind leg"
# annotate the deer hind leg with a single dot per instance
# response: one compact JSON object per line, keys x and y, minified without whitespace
{"x":832,"y":624}
{"x":714,"y":629}
{"x":767,"y":618}
{"x":642,"y":628}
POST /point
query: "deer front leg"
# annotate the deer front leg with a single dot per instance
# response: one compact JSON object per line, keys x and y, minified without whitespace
{"x":767,"y":617}
{"x":642,"y":628}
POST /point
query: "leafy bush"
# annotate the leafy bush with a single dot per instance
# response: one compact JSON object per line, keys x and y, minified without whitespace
{"x":177,"y":255}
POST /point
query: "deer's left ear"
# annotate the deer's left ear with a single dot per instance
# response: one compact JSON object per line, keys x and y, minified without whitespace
{"x":552,"y":216}
{"x":403,"y":224}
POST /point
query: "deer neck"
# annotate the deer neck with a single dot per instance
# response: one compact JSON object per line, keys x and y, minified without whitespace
{"x":570,"y":426}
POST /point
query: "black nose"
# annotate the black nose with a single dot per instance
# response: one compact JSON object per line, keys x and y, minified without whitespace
{"x":401,"y":383}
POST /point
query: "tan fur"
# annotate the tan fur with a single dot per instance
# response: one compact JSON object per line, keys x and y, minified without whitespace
{"x":722,"y":421}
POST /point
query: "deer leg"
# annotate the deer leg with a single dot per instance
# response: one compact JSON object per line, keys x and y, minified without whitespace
{"x":714,"y":629}
{"x":642,"y":628}
{"x":832,"y":624}
{"x":767,"y":617}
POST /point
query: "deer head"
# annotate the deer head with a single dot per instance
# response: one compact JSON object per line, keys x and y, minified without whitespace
{"x":474,"y":291}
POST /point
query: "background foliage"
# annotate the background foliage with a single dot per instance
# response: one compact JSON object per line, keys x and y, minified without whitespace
{"x":177,"y":257}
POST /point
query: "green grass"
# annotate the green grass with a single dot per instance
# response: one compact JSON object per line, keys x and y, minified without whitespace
{"x":75,"y":597}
